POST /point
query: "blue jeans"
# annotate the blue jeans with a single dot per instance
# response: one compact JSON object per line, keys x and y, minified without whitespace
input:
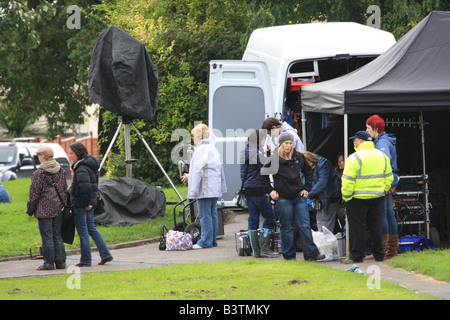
{"x":286,"y":210}
{"x":209,"y":222}
{"x":52,"y":243}
{"x":257,"y":205}
{"x":84,"y":220}
{"x":388,"y":221}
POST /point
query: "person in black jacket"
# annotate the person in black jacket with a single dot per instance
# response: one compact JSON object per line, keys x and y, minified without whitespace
{"x":290,"y":194}
{"x":252,"y":160}
{"x":83,"y":195}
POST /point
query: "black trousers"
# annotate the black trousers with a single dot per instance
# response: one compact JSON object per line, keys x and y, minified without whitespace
{"x":365,"y":215}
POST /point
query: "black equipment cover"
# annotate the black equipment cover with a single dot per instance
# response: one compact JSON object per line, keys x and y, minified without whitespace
{"x":128,"y":201}
{"x":122,"y":77}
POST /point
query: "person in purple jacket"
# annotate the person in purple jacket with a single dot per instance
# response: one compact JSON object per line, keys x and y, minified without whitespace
{"x":45,"y":205}
{"x":386,"y":142}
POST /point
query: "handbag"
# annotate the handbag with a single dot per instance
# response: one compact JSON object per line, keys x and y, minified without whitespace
{"x":68,"y":224}
{"x":178,"y":241}
{"x":162,"y":237}
{"x":100,"y":208}
{"x":241,"y":201}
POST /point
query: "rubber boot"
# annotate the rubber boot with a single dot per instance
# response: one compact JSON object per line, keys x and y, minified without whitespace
{"x":264,"y":241}
{"x":254,"y":242}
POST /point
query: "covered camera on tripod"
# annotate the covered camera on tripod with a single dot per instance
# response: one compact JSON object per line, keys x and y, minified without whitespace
{"x":122,"y":77}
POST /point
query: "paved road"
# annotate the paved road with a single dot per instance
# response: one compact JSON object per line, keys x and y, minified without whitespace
{"x":145,"y":254}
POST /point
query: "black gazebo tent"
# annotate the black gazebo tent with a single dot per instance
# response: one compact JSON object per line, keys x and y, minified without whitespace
{"x":412,"y":76}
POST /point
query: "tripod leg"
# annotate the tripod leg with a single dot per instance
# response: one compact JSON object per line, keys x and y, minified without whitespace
{"x":110,"y":146}
{"x":154,"y":157}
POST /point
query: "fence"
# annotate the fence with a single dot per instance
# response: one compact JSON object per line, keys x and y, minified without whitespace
{"x":90,"y":142}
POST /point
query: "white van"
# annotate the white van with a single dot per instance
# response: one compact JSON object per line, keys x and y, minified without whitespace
{"x":266,"y":82}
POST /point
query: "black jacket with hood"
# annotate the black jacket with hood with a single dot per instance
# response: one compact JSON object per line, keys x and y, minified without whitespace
{"x":84,"y":189}
{"x":287,"y":181}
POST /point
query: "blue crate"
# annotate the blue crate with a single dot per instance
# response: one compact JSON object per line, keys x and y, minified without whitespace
{"x":407,"y":242}
{"x":414,"y":243}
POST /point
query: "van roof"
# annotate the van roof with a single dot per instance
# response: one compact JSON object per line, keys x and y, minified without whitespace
{"x":317,"y":40}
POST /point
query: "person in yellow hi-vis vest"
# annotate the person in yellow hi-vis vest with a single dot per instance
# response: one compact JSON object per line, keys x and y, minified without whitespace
{"x":366,"y":178}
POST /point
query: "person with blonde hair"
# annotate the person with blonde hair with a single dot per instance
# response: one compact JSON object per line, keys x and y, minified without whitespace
{"x":206,"y":183}
{"x":290,"y":193}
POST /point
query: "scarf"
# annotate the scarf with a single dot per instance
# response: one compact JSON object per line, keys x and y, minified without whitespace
{"x":51,"y":166}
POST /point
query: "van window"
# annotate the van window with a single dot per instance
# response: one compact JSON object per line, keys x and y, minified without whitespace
{"x":237,"y":109}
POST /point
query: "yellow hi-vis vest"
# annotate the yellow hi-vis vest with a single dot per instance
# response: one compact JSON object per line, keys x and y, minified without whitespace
{"x":367,"y":173}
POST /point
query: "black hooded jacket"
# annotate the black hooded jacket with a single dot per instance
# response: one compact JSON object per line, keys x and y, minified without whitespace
{"x":287,"y":181}
{"x":83,"y":191}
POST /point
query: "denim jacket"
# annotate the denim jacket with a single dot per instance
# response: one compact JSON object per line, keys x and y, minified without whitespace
{"x":323,"y":182}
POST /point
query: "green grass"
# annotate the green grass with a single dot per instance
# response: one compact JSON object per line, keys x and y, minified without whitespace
{"x":248,"y":279}
{"x":19,"y":233}
{"x":244,"y":280}
{"x":433,"y":263}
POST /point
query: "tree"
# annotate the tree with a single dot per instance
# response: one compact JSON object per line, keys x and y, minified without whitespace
{"x":43,"y":63}
{"x":182,"y":36}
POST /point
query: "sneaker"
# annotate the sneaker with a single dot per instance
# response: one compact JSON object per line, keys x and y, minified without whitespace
{"x":196,"y":246}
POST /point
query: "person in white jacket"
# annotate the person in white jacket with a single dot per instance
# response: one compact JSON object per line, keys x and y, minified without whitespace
{"x":206,"y":183}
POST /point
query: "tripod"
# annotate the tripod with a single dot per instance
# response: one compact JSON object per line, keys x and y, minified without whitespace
{"x":129,"y":162}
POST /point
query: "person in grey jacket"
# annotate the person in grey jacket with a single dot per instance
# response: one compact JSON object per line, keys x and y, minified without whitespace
{"x":206,"y":183}
{"x":83,"y":195}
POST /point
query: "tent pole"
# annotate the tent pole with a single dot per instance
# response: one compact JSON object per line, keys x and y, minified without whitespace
{"x":425,"y":177}
{"x":304,"y":129}
{"x":347,"y":229}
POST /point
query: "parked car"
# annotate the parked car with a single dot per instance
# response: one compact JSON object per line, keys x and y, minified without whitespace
{"x":19,"y":159}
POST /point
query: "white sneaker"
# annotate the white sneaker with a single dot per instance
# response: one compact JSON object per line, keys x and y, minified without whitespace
{"x":196,"y":246}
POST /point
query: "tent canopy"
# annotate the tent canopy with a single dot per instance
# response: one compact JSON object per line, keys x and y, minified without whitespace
{"x":411,"y":76}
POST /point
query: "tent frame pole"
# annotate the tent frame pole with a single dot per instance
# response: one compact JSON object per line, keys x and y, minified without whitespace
{"x":347,"y":228}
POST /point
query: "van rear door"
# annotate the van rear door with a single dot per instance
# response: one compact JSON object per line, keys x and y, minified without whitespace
{"x":239,"y":99}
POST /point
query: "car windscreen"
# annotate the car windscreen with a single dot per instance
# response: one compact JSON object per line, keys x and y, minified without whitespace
{"x":7,"y":154}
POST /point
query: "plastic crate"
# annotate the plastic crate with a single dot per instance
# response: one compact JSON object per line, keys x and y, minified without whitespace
{"x":418,"y":243}
{"x":407,"y":242}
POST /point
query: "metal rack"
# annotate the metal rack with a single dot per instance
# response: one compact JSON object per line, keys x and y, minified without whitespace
{"x":411,"y":205}
{"x":421,"y":192}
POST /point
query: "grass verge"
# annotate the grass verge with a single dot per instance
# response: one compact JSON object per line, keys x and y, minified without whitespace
{"x":433,"y":263}
{"x":19,"y":233}
{"x":243,"y":280}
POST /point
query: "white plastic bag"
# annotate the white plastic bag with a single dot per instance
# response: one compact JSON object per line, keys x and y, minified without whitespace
{"x":327,"y":244}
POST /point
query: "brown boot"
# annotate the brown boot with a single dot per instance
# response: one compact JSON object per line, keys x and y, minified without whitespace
{"x":393,"y":245}
{"x":385,"y":240}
